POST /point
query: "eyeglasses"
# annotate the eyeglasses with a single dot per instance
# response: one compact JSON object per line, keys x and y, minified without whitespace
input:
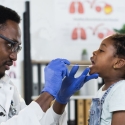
{"x":14,"y":46}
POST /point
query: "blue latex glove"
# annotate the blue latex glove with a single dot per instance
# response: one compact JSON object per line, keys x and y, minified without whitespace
{"x":70,"y":84}
{"x":55,"y":71}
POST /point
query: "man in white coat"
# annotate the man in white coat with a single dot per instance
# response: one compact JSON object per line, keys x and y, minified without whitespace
{"x":13,"y":110}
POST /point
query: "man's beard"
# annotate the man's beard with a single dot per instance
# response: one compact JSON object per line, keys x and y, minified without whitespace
{"x":1,"y":75}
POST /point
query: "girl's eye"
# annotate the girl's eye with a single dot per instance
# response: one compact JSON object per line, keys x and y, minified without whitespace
{"x":101,"y":50}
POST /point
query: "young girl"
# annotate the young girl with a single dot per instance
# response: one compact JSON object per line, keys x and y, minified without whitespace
{"x":108,"y":106}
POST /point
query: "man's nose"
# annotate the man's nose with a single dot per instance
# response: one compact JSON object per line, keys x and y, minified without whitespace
{"x":13,"y":56}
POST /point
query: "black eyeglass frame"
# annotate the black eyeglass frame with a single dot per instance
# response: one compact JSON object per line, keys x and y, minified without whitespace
{"x":10,"y":41}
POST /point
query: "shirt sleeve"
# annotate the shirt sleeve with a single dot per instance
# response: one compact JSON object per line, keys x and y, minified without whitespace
{"x":51,"y":118}
{"x":30,"y":115}
{"x":117,"y":101}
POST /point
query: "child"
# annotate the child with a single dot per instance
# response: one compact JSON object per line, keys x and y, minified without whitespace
{"x":108,"y":106}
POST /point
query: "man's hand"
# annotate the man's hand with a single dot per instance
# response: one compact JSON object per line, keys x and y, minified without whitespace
{"x":54,"y":73}
{"x":70,"y":84}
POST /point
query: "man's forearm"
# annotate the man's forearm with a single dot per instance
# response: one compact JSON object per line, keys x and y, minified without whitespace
{"x":58,"y":108}
{"x":44,"y":100}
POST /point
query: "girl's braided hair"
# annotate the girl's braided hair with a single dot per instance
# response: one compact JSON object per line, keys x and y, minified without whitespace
{"x":119,"y":44}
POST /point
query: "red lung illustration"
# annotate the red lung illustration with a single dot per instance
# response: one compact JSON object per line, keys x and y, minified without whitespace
{"x":74,"y":34}
{"x":83,"y":34}
{"x":80,"y":7}
{"x":72,"y":7}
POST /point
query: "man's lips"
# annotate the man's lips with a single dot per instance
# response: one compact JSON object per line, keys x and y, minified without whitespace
{"x":8,"y":64}
{"x":7,"y":67}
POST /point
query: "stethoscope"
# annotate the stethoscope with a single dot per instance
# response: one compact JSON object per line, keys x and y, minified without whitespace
{"x":12,"y":111}
{"x":2,"y":113}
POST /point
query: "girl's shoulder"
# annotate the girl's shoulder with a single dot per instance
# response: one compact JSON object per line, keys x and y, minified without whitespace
{"x":120,"y":83}
{"x":118,"y":87}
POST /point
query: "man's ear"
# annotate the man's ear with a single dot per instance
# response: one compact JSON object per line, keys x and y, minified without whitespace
{"x":119,"y":63}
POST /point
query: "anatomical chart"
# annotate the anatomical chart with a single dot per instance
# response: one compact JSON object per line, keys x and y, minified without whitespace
{"x":86,"y":20}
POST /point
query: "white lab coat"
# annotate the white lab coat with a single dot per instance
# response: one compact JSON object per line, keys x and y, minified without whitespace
{"x":25,"y":115}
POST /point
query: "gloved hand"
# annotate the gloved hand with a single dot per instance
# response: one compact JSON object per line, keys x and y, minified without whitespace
{"x":70,"y":84}
{"x":55,"y":71}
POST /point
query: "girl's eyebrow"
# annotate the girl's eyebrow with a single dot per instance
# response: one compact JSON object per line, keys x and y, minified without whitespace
{"x":103,"y":44}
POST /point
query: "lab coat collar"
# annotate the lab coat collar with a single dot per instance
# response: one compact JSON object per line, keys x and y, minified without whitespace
{"x":7,"y":90}
{"x":5,"y":79}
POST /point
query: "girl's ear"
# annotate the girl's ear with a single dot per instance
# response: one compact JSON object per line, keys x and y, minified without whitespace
{"x":119,"y":63}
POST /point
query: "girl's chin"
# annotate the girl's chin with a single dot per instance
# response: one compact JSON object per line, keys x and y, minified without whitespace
{"x":92,"y":72}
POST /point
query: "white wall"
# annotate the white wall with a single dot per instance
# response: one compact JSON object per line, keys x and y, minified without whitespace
{"x":52,"y":26}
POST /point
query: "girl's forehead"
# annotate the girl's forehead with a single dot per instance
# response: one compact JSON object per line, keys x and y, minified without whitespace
{"x":108,"y":45}
{"x":107,"y":41}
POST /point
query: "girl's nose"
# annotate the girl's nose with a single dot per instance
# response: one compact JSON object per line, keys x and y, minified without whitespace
{"x":94,"y":52}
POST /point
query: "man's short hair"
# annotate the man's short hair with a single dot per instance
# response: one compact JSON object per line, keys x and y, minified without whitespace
{"x":8,"y":14}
